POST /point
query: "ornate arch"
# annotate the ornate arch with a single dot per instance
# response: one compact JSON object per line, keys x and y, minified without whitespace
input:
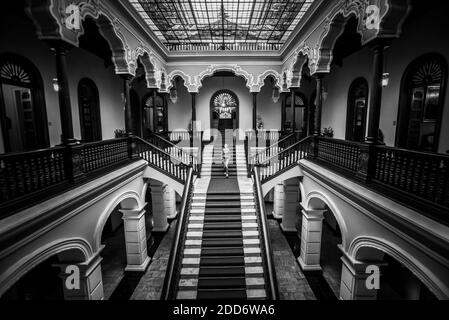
{"x":407,"y":259}
{"x":134,"y":198}
{"x":29,"y":262}
{"x":337,"y":213}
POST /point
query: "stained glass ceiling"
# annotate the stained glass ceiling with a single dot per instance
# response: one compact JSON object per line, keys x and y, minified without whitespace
{"x":248,"y":25}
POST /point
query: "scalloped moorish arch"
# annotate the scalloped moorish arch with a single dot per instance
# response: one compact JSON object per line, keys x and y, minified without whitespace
{"x":418,"y":268}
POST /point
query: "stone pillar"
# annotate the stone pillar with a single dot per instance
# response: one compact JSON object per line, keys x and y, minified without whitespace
{"x":376,"y":94}
{"x":279,"y":201}
{"x":170,"y":202}
{"x":291,"y":198}
{"x":160,"y":217}
{"x":136,"y":239}
{"x":193,"y":111}
{"x":311,"y":230}
{"x":60,"y":50}
{"x":292,"y":105}
{"x":353,"y":280}
{"x":128,"y":112}
{"x":319,"y":103}
{"x":283,"y":110}
{"x":255,"y":111}
{"x":90,"y":279}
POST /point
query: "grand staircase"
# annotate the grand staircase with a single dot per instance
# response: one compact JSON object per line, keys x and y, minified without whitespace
{"x":222,"y":257}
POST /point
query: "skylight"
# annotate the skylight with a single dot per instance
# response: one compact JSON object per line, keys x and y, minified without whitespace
{"x":188,"y":25}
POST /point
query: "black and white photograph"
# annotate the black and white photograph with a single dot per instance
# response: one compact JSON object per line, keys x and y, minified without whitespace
{"x":221,"y":157}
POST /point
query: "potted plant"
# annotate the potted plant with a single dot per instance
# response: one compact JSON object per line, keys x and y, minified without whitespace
{"x":328,"y":132}
{"x":120,"y":133}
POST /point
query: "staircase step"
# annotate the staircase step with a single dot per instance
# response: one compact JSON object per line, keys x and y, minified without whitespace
{"x":220,"y":261}
{"x":222,"y":218}
{"x":222,"y":271}
{"x":215,"y":294}
{"x":223,"y":251}
{"x":222,"y":283}
{"x":216,"y":242}
{"x":222,"y":234}
{"x":222,"y":226}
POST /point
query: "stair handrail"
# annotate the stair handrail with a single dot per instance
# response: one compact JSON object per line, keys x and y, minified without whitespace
{"x":179,"y":241}
{"x":269,"y":263}
{"x":146,"y":143}
{"x":254,"y":158}
{"x":284,"y":151}
{"x":192,"y":159}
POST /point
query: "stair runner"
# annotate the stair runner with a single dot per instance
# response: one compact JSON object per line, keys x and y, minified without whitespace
{"x":222,"y":255}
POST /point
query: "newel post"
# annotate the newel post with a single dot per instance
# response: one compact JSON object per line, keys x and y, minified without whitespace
{"x":366,"y":162}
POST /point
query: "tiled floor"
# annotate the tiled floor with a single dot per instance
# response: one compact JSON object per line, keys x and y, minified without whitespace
{"x":150,"y":285}
{"x":291,"y":281}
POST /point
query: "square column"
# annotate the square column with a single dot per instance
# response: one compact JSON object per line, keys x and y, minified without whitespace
{"x":170,"y":202}
{"x":136,"y":240}
{"x":291,"y":200}
{"x":160,"y":223}
{"x":354,"y":275}
{"x":82,"y":281}
{"x":279,"y":201}
{"x":311,"y":230}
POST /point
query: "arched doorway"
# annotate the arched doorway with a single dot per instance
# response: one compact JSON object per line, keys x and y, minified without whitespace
{"x":300,"y":121}
{"x":137,"y":112}
{"x":22,"y":106}
{"x":421,"y":103}
{"x":224,"y":107}
{"x":155,"y":113}
{"x":357,"y":110}
{"x":89,"y":109}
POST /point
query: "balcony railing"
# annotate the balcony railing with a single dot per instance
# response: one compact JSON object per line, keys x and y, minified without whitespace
{"x":31,"y":177}
{"x":416,"y":179}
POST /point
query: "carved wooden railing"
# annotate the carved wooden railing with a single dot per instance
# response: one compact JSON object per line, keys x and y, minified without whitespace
{"x":28,"y":178}
{"x":340,"y":153}
{"x":162,"y":161}
{"x":173,"y":272}
{"x":177,"y":152}
{"x":267,"y":252}
{"x":103,"y":154}
{"x":284,"y":160}
{"x":24,"y":173}
{"x":423,"y":175}
{"x":272,"y":150}
{"x":416,"y":179}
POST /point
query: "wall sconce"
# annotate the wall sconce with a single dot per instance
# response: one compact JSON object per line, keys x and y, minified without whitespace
{"x":56,"y":86}
{"x":385,"y":79}
{"x":173,"y":95}
{"x":276,"y":95}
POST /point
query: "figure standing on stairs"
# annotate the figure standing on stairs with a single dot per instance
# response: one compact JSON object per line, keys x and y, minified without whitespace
{"x":226,"y":157}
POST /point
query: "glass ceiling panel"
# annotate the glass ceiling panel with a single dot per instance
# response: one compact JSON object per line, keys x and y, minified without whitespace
{"x":186,"y":25}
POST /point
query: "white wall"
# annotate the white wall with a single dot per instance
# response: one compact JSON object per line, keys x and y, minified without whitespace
{"x":420,"y":36}
{"x":23,"y":41}
{"x":180,"y":113}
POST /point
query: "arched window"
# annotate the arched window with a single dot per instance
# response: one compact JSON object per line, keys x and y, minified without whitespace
{"x":357,"y":110}
{"x":224,"y":109}
{"x":89,"y":108}
{"x":22,"y":107}
{"x":421,"y":103}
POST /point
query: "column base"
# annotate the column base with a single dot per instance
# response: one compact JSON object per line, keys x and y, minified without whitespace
{"x":276,"y":216}
{"x":306,"y":267}
{"x":173,"y":216}
{"x":289,"y":230}
{"x":161,"y":229}
{"x":139,"y":268}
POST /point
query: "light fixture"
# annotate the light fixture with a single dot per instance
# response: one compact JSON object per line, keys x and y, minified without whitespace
{"x":276,"y":95}
{"x":385,"y":79}
{"x":56,"y":86}
{"x":174,"y":95}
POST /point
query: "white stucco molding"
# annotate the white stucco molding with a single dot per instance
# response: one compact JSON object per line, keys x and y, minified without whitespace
{"x":254,"y":82}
